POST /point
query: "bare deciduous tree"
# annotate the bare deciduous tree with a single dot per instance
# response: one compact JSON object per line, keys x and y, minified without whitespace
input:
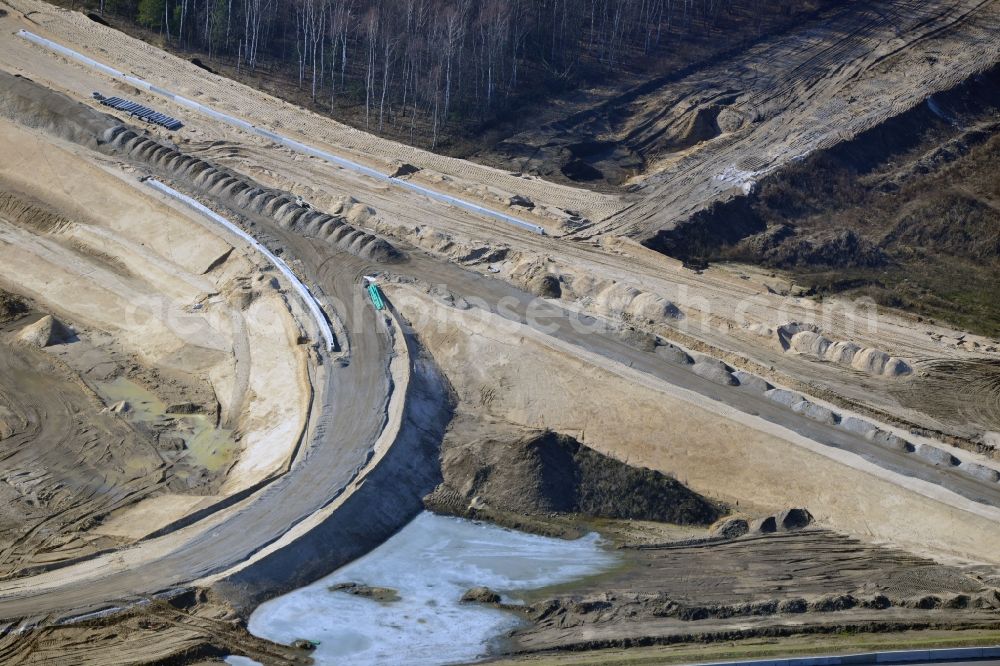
{"x":426,"y":61}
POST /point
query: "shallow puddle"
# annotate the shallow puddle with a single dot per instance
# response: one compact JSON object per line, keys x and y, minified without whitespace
{"x":430,"y":563}
{"x":210,"y":447}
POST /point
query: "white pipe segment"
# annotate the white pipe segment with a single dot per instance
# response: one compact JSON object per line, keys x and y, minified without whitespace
{"x":310,"y":301}
{"x":285,"y":141}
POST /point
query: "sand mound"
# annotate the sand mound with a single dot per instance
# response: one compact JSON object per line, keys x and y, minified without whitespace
{"x":794,"y":519}
{"x":980,"y":472}
{"x":859,"y":426}
{"x":546,"y":286}
{"x":731,"y":528}
{"x":120,"y":407}
{"x":784,"y":397}
{"x":842,"y":352}
{"x":359,"y":213}
{"x":694,"y":126}
{"x":604,"y":297}
{"x":619,"y":301}
{"x":638,"y":339}
{"x":46,"y":332}
{"x":542,"y":472}
{"x":714,"y":370}
{"x":806,"y":339}
{"x":787,"y":520}
{"x":28,"y":103}
{"x":816,"y":412}
{"x":810,"y":342}
{"x":403,"y":169}
{"x":870,"y":360}
{"x":674,"y":354}
{"x":752,"y":382}
{"x":937,"y":456}
{"x":764,"y":525}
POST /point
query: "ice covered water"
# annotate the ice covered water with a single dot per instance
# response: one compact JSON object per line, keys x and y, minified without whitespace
{"x":430,"y":563}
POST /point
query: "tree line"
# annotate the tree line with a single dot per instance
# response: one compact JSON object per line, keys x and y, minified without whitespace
{"x":428,"y":61}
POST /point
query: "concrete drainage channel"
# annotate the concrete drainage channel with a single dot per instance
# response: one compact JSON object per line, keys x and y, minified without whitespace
{"x":282,"y":140}
{"x":303,"y":291}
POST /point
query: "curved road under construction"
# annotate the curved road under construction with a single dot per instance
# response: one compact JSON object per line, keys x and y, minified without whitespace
{"x":352,"y":411}
{"x":355,"y":399}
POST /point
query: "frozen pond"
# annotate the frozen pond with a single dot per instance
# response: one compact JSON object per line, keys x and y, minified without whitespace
{"x":430,"y":564}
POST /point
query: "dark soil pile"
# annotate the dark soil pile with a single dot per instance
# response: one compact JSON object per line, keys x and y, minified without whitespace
{"x":11,"y":307}
{"x":381,"y":594}
{"x":543,"y":472}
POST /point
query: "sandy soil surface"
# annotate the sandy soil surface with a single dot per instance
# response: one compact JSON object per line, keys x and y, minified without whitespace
{"x":166,"y":316}
{"x":715,"y":450}
{"x":711,"y":376}
{"x":252,"y":375}
{"x":764,"y":648}
{"x":189,"y":632}
{"x":65,"y":462}
{"x":732,"y":314}
{"x":722,"y":128}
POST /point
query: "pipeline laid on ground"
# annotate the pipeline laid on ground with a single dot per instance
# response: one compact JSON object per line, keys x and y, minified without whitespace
{"x":277,"y":138}
{"x":307,"y":297}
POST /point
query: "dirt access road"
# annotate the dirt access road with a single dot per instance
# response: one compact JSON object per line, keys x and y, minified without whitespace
{"x":589,"y":334}
{"x":327,"y":468}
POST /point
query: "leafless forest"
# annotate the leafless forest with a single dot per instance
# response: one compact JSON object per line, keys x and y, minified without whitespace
{"x":406,"y":62}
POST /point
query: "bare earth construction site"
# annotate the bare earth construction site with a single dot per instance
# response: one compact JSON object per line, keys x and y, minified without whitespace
{"x":201,"y":406}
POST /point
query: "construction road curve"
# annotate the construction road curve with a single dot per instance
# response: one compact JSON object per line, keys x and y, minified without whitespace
{"x":354,"y":398}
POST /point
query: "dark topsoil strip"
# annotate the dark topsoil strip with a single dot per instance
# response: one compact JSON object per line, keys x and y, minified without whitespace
{"x":907,"y":213}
